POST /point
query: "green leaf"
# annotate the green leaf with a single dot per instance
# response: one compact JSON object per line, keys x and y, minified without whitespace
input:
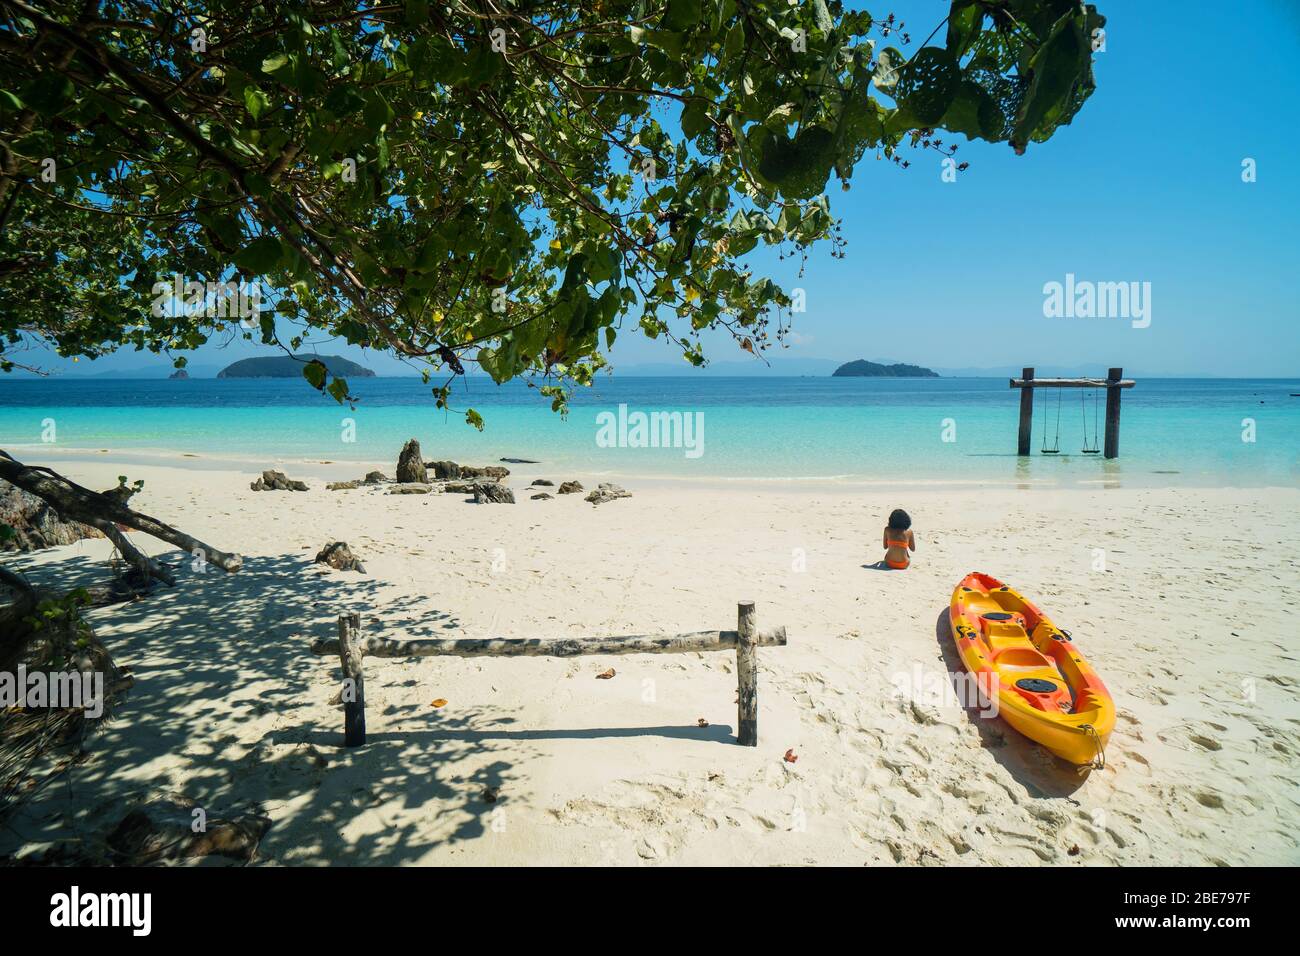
{"x":344,"y":100}
{"x":964,"y":21}
{"x":315,"y":372}
{"x":780,"y":118}
{"x":261,"y":256}
{"x":695,"y":119}
{"x":256,"y":102}
{"x":799,"y":167}
{"x":275,"y":62}
{"x":482,"y":66}
{"x":975,"y":113}
{"x":670,"y":43}
{"x":735,"y":45}
{"x":1060,"y":65}
{"x":474,"y":418}
{"x":602,"y":265}
{"x":226,"y":228}
{"x":339,"y":53}
{"x":378,"y":113}
{"x":338,"y":388}
{"x":927,"y":84}
{"x":682,"y":14}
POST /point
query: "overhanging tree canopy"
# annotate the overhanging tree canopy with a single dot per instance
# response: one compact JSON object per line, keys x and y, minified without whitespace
{"x":502,"y":181}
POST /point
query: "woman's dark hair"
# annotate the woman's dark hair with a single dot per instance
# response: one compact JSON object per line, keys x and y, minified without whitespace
{"x":899,"y":520}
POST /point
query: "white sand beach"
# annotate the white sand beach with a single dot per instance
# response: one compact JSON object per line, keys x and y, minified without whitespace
{"x":1191,"y":625}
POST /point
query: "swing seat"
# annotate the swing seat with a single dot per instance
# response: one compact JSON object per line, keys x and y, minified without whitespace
{"x":1090,"y":447}
{"x":1056,"y":440}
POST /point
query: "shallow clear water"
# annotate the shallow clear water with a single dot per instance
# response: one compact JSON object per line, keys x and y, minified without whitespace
{"x":1173,"y":430}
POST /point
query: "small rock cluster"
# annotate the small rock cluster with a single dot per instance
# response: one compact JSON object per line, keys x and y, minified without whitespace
{"x":339,"y":556}
{"x":372,"y":478}
{"x":415,"y":476}
{"x":412,"y":488}
{"x":276,"y":481}
{"x":607,"y":492}
{"x":493,"y":493}
{"x":451,"y":471}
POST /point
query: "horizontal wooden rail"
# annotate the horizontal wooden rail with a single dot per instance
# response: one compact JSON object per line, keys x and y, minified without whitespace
{"x":351,"y":648}
{"x":696,"y":641}
{"x":1071,"y":383}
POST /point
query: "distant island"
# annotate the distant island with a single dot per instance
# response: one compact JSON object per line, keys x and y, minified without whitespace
{"x":285,"y":366}
{"x":179,"y":373}
{"x":864,"y":369}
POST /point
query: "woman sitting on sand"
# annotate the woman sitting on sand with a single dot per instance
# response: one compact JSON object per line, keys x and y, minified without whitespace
{"x":898,"y":540}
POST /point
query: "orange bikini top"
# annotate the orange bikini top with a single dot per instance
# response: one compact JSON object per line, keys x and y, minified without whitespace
{"x":892,"y":543}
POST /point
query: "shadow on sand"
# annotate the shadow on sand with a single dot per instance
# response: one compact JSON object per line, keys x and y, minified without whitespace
{"x":218,"y":646}
{"x":880,"y":566}
{"x":1037,"y":770}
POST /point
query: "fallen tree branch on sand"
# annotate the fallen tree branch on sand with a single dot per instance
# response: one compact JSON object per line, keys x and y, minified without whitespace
{"x":106,"y":512}
{"x":147,"y":566}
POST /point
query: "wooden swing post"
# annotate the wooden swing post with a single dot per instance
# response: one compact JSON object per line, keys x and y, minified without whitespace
{"x":1026,"y":412}
{"x":1112,"y":413}
{"x":1113,"y":383}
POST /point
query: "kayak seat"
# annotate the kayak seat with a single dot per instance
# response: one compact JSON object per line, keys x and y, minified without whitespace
{"x":1044,"y":635}
{"x":1000,"y":623}
{"x":1020,"y":654}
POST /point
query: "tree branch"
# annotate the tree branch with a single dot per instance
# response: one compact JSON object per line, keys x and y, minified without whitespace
{"x":74,"y":502}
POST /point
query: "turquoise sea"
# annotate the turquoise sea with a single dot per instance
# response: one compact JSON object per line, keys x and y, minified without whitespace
{"x":1174,"y":431}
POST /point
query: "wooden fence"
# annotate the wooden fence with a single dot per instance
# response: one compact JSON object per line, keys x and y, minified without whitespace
{"x":746,"y":639}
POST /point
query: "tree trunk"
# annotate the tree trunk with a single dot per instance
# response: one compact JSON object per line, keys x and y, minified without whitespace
{"x":104,"y":512}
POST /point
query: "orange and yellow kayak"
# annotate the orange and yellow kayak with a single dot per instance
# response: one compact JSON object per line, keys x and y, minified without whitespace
{"x":1043,"y":685}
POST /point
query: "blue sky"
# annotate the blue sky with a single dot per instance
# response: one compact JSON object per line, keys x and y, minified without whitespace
{"x":1144,"y":186}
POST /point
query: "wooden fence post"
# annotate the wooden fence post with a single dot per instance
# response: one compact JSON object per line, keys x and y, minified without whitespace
{"x":1026,"y":413}
{"x":354,"y":710}
{"x":746,"y":676}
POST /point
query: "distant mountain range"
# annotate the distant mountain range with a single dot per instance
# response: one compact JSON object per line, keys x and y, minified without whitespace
{"x":779,"y":366}
{"x":290,"y":366}
{"x":816,"y":367}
